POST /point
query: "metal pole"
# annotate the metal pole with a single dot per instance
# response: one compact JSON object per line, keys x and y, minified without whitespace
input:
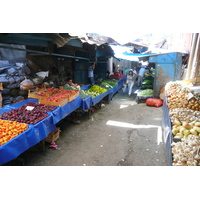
{"x":194,"y":41}
{"x":44,"y":53}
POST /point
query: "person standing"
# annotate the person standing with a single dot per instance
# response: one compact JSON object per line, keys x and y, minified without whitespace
{"x":91,"y":73}
{"x":130,"y":80}
{"x":141,"y":75}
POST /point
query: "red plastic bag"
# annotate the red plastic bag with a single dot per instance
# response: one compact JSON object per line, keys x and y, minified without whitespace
{"x":154,"y":102}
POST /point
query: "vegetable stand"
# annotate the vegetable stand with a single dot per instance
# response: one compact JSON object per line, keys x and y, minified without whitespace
{"x":181,"y":124}
{"x":144,"y":94}
{"x":39,"y":131}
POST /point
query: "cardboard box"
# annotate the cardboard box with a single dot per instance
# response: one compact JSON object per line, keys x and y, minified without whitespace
{"x":53,"y":136}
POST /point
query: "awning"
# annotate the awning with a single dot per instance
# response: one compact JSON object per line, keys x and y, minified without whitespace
{"x":119,"y":52}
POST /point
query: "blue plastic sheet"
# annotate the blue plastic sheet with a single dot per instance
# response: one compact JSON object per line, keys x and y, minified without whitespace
{"x":19,"y":104}
{"x":86,"y":103}
{"x":63,"y":111}
{"x":85,"y":87}
{"x":166,"y":126}
{"x":97,"y":99}
{"x":33,"y":135}
{"x":113,"y":91}
{"x":121,"y":82}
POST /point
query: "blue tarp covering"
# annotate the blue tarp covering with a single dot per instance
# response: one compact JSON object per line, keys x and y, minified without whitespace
{"x":63,"y":111}
{"x":86,"y":103}
{"x":166,"y":126}
{"x":35,"y":133}
{"x":120,"y":52}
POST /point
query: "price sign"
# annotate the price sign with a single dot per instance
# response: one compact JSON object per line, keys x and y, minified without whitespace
{"x":29,"y":108}
{"x":189,"y":96}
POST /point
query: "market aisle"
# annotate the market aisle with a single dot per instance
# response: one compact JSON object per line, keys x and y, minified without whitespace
{"x":122,"y":133}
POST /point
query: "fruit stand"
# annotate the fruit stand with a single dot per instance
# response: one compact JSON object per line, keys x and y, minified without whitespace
{"x":181,"y":124}
{"x":40,"y":120}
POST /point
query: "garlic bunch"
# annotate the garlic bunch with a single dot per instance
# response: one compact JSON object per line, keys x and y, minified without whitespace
{"x":186,"y":152}
{"x":184,"y":115}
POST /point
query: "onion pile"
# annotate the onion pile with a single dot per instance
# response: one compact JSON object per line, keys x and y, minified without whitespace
{"x":184,"y":129}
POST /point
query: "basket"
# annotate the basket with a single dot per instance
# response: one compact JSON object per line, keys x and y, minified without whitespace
{"x":53,"y":136}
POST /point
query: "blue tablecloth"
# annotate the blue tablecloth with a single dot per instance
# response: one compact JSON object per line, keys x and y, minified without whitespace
{"x":19,"y":104}
{"x":63,"y":111}
{"x":166,"y":126}
{"x":86,"y":103}
{"x":98,"y":98}
{"x":33,"y":135}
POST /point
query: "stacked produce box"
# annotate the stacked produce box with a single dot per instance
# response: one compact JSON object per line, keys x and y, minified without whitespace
{"x":146,"y":89}
{"x":54,"y":96}
{"x":184,"y":112}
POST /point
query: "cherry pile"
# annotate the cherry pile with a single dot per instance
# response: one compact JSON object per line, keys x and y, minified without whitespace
{"x":37,"y":106}
{"x":28,"y":116}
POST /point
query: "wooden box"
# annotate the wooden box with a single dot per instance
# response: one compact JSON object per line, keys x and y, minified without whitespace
{"x":71,"y":98}
{"x":52,"y":103}
{"x":53,"y":136}
{"x":1,"y":86}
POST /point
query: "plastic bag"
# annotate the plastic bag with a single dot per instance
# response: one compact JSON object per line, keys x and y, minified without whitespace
{"x":154,"y":102}
{"x":26,"y":84}
{"x":43,"y":74}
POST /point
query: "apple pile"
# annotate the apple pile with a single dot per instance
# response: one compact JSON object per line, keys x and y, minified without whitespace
{"x":10,"y":129}
{"x":43,"y":107}
{"x":25,"y":116}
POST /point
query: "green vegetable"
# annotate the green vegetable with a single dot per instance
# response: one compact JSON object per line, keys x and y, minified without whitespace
{"x":147,"y":82}
{"x":92,"y":94}
{"x":97,"y":89}
{"x":147,"y":92}
{"x":83,"y":94}
{"x":69,"y":88}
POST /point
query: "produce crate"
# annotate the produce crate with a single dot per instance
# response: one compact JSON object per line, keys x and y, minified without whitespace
{"x":71,"y":98}
{"x":1,"y":86}
{"x":52,"y":103}
{"x":53,"y":136}
{"x":35,"y":95}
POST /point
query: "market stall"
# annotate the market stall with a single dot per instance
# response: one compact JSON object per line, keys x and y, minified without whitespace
{"x":40,"y":130}
{"x":181,"y":123}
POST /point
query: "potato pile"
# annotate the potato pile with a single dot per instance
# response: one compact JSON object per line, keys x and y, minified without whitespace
{"x":180,"y":96}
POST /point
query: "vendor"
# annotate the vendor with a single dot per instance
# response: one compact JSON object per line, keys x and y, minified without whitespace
{"x":71,"y":84}
{"x":141,"y":75}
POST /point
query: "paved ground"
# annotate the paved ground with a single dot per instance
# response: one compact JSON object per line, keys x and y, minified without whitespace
{"x":122,"y":133}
